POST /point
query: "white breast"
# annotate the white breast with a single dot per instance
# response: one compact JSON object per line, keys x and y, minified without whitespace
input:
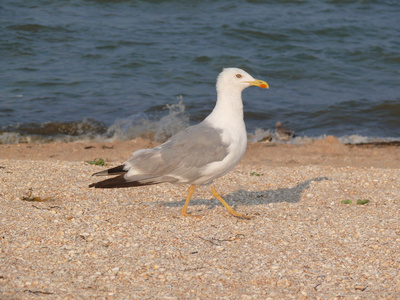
{"x":236,"y":137}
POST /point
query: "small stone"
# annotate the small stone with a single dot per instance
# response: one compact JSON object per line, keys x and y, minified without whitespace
{"x":115,"y":270}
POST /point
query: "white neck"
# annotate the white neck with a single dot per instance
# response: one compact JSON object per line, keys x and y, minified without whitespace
{"x":228,"y":110}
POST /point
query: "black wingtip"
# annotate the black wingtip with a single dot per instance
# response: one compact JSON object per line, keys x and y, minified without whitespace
{"x":118,"y":182}
{"x":113,"y":171}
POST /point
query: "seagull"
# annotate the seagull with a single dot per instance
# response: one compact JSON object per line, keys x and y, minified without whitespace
{"x":283,"y":133}
{"x":200,"y":153}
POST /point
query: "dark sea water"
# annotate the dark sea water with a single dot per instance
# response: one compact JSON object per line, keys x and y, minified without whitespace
{"x":82,"y":69}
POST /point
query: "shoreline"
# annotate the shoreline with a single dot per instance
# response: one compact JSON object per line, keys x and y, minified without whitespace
{"x":329,"y":151}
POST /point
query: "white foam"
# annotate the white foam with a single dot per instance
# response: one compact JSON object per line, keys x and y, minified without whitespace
{"x":358,"y":139}
{"x":140,"y":125}
{"x":261,"y":134}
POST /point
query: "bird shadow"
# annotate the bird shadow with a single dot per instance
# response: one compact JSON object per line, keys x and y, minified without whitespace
{"x":290,"y":195}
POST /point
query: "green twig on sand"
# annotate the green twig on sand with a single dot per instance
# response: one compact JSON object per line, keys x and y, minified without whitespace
{"x":347,"y":201}
{"x":255,"y":174}
{"x":359,"y":201}
{"x":97,"y":162}
{"x":362,"y":202}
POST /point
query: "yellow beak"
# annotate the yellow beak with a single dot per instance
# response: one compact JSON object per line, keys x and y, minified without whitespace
{"x":260,"y":83}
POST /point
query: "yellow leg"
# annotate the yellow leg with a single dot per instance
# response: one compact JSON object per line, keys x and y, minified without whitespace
{"x":184,"y":208}
{"x":230,"y":209}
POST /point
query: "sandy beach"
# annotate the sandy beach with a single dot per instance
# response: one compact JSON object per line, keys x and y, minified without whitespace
{"x":312,"y":235}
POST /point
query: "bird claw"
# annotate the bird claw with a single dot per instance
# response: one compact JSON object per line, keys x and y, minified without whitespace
{"x":185,"y":214}
{"x":239,"y":215}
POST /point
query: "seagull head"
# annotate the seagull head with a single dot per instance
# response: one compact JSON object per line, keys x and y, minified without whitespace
{"x":237,"y":79}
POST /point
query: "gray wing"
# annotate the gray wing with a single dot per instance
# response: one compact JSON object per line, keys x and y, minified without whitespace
{"x":180,"y":159}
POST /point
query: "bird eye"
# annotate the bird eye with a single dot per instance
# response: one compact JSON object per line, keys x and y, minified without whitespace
{"x":238,"y":76}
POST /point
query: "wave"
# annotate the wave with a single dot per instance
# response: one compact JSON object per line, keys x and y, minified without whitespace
{"x":268,"y":135}
{"x":159,"y":127}
{"x":140,"y":125}
{"x":137,"y":125}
